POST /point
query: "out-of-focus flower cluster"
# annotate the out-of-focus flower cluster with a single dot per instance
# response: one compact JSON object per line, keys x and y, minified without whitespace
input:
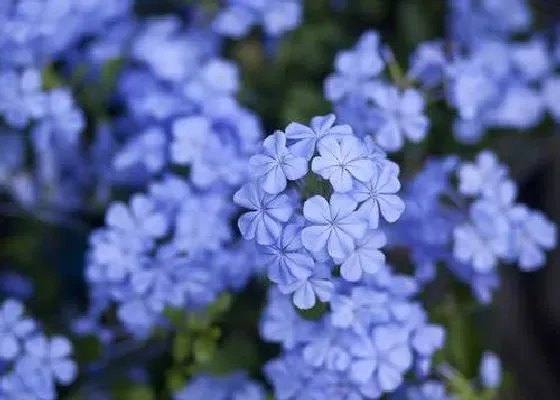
{"x":31,"y":363}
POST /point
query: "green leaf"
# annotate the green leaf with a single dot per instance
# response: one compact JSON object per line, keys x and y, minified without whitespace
{"x":51,"y":79}
{"x":220,"y":306}
{"x":204,"y":349}
{"x":316,"y":312}
{"x":461,"y":387}
{"x":176,"y":316}
{"x":237,"y":352}
{"x":175,"y":380}
{"x":138,"y":393}
{"x":181,"y":347}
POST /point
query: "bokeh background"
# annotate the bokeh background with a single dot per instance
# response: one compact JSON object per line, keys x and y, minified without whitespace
{"x":42,"y":256}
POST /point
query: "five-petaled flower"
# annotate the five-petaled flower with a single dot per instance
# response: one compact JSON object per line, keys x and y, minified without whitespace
{"x":342,"y":161}
{"x":269,"y":211}
{"x":277,"y":164}
{"x":334,"y":225}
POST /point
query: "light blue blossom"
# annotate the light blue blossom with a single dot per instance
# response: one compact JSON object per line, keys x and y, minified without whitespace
{"x":268,"y":213}
{"x":366,"y":257}
{"x":429,"y":390}
{"x":334,"y":225}
{"x":343,"y":161}
{"x":287,"y":260}
{"x":141,"y":218}
{"x":532,"y":233}
{"x":482,"y":175}
{"x":354,"y":68}
{"x":235,"y":386}
{"x":490,"y":370}
{"x":276,"y":16}
{"x":14,"y":328}
{"x":147,"y":149}
{"x":54,"y":355}
{"x":551,"y":96}
{"x":378,"y":195}
{"x":277,"y":165}
{"x":190,"y":135}
{"x":305,"y":139}
{"x":399,"y":115}
{"x":308,"y":288}
{"x":281,"y":323}
{"x":387,"y":360}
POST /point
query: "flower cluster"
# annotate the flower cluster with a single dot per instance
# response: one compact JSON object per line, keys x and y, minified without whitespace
{"x":180,"y":104}
{"x":235,"y":386}
{"x":302,"y":243}
{"x":366,"y":99}
{"x":276,"y":17}
{"x":487,"y":76}
{"x":31,"y":364}
{"x":374,"y":334}
{"x":473,"y":227}
{"x":39,"y":111}
{"x":171,"y":247}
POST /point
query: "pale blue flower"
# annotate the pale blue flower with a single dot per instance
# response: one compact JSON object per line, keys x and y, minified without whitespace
{"x":333,"y":225}
{"x":490,"y":370}
{"x":400,"y":115}
{"x":306,"y":138}
{"x":343,"y":161}
{"x":287,"y":260}
{"x":264,"y":223}
{"x":54,"y":355}
{"x":482,"y":175}
{"x":14,"y":327}
{"x":366,"y":257}
{"x":277,"y":164}
{"x":378,"y":195}
{"x":307,"y":289}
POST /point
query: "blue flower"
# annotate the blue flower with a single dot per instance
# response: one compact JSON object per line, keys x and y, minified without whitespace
{"x":378,"y":195}
{"x":29,"y":380}
{"x":190,"y":135}
{"x":54,"y":355}
{"x":333,"y":225}
{"x":366,"y":257}
{"x":14,"y":327}
{"x":305,"y":139}
{"x":428,"y":64}
{"x":354,"y":68}
{"x":429,"y":390}
{"x":342,"y":162}
{"x":12,"y":153}
{"x":264,"y":223}
{"x":287,"y":260}
{"x":490,"y":370}
{"x":307,"y":289}
{"x":235,"y":386}
{"x":386,"y":357}
{"x":147,"y":149}
{"x":399,"y":115}
{"x":531,"y":234}
{"x":216,"y":78}
{"x":281,"y":323}
{"x":276,"y":16}
{"x":141,"y":218}
{"x":551,"y":96}
{"x":277,"y":164}
{"x":506,"y":114}
{"x":481,"y":176}
{"x":532,"y":59}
